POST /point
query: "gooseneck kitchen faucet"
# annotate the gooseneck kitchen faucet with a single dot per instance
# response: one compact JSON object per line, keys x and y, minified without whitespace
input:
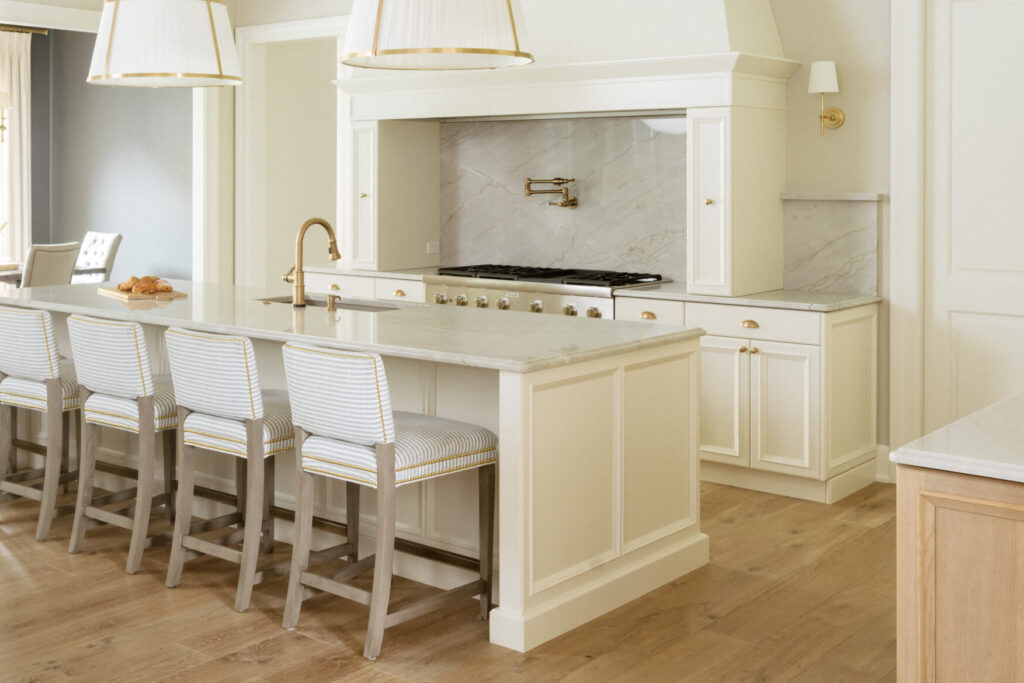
{"x":297,"y":275}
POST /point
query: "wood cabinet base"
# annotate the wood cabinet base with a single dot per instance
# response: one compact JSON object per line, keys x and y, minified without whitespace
{"x":960,"y":577}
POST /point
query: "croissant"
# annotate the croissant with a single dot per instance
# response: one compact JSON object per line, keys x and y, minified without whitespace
{"x":144,"y":288}
{"x":128,"y":284}
{"x":164,"y":286}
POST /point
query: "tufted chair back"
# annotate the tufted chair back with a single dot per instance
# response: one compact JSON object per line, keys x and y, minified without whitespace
{"x":99,"y":250}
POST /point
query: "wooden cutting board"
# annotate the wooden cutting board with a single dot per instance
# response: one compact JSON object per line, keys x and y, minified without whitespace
{"x":115,"y":293}
{"x":9,"y":266}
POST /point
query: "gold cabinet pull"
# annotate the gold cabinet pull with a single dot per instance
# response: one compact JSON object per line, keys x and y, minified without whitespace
{"x":398,"y":292}
{"x":648,"y":315}
{"x":743,"y":349}
{"x":334,"y":288}
{"x":709,"y":201}
{"x":750,"y":324}
{"x":755,"y":350}
{"x":362,"y":195}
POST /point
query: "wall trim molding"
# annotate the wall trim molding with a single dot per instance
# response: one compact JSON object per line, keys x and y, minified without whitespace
{"x":49,"y":16}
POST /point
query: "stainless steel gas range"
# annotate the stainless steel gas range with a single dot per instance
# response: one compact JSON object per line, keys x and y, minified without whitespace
{"x":564,"y":291}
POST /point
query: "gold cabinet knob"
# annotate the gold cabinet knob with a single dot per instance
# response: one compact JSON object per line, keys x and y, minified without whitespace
{"x":398,"y":292}
{"x":440,"y":298}
{"x":537,"y":306}
{"x":743,"y":349}
{"x":334,"y":288}
{"x":750,"y":324}
{"x":648,"y":315}
{"x":709,"y":201}
{"x":362,"y":195}
{"x":755,"y":350}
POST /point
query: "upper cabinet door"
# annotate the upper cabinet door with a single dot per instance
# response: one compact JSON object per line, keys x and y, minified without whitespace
{"x":725,"y":400}
{"x":708,"y":202}
{"x":785,"y":408}
{"x":362,"y":247}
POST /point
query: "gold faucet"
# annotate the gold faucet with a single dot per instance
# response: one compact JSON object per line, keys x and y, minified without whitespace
{"x":297,"y":275}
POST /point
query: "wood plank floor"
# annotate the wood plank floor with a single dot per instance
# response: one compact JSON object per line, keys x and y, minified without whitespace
{"x":795,"y":591}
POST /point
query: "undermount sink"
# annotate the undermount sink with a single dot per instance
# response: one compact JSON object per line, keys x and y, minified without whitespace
{"x":322,"y":303}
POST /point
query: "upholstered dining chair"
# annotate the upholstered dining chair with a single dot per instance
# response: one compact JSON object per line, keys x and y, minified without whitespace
{"x":99,"y":249}
{"x":50,"y":264}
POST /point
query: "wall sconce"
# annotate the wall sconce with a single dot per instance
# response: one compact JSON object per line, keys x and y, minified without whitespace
{"x":823,"y":79}
{"x":567,"y":201}
{"x":6,"y":102}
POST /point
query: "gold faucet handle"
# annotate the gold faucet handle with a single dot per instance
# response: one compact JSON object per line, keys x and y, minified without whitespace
{"x":332,"y":303}
{"x":289,"y":277}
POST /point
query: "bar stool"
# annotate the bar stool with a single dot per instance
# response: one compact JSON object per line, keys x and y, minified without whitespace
{"x":35,"y":377}
{"x":222,"y":409}
{"x":345,"y":429}
{"x":119,"y":391}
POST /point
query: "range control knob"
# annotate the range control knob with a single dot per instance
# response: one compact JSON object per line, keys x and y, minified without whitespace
{"x":481,"y":302}
{"x":569,"y":309}
{"x":536,"y":306}
{"x":593,"y":312}
{"x":440,"y":298}
{"x":461,"y":300}
{"x":503,"y":303}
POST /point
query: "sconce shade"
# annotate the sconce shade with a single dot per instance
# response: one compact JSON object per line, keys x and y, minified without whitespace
{"x":823,"y":78}
{"x":433,"y":35}
{"x":165,"y":44}
{"x":6,"y":101}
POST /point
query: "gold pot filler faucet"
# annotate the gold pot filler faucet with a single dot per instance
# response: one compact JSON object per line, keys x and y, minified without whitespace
{"x":297,"y":276}
{"x":567,"y":202}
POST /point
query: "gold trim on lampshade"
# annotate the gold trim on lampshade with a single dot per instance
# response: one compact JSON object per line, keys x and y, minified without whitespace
{"x":165,"y":44}
{"x":433,"y":35}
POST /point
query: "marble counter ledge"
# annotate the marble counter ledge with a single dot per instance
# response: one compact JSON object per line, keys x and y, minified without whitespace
{"x":988,"y":443}
{"x":484,"y":338}
{"x":410,"y":274}
{"x":795,"y":300}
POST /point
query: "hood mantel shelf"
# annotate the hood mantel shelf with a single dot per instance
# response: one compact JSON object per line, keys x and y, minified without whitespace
{"x":710,"y":80}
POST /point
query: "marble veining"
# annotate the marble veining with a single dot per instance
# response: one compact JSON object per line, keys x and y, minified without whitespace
{"x":630,"y":179}
{"x":831,"y":246}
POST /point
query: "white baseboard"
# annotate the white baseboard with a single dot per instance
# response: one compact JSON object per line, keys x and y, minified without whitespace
{"x":886,"y":470}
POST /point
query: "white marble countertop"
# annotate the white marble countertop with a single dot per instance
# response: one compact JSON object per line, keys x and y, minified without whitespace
{"x":791,"y":299}
{"x":485,"y":338}
{"x":411,"y":274}
{"x":988,"y":443}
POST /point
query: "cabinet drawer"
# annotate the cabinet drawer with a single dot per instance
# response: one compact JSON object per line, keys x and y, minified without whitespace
{"x":348,"y":286}
{"x":749,"y":322}
{"x":628,"y":308}
{"x":399,"y":290}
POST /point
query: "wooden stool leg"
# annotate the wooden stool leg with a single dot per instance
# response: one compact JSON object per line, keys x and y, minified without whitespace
{"x":13,"y":460}
{"x":170,"y":441}
{"x":382,"y":566}
{"x":267,"y":530}
{"x":51,"y":477}
{"x":86,"y":470}
{"x":7,"y":450}
{"x":186,"y":479}
{"x":241,"y":481}
{"x":352,"y":518}
{"x":253,"y":515}
{"x":65,"y":447}
{"x":486,"y":537}
{"x":302,"y":536}
{"x":144,"y":490}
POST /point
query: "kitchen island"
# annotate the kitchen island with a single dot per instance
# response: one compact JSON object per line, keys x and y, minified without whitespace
{"x":960,"y":548}
{"x":597,"y":421}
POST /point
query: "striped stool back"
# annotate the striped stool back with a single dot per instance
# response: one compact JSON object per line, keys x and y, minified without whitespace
{"x":28,"y":345}
{"x":111,"y":357}
{"x":339,"y":394}
{"x":215,"y":374}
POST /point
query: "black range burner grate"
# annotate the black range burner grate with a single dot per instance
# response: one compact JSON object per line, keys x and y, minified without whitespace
{"x":609,"y":278}
{"x":566,"y":276}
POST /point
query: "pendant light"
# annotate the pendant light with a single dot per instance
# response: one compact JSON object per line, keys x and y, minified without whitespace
{"x":165,"y":44}
{"x":433,"y":35}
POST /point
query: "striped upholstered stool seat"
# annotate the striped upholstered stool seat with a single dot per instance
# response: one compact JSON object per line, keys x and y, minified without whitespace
{"x":33,"y":376}
{"x":226,"y":435}
{"x":345,"y":429}
{"x":425,"y":447}
{"x":31,"y":394}
{"x":123,"y":413}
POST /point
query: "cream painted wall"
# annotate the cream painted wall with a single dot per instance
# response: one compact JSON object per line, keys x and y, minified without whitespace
{"x":854,"y":158}
{"x":254,"y":12}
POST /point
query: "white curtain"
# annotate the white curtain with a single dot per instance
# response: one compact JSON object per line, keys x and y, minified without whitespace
{"x":16,"y":150}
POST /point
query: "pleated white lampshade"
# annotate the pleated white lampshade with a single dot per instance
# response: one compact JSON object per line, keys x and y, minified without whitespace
{"x":6,"y":101}
{"x":433,"y":35}
{"x":165,"y":44}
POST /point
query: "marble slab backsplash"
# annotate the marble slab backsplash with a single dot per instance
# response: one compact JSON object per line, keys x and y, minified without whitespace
{"x":630,"y":180}
{"x":831,"y":246}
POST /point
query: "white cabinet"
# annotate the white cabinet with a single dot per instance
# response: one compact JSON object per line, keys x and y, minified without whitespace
{"x":725,"y":400}
{"x":389,"y":207}
{"x":736,"y":162}
{"x":366,"y":287}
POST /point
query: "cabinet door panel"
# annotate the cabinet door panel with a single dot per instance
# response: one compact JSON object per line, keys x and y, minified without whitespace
{"x":708,"y":235}
{"x":364,"y":195}
{"x":724,"y":400}
{"x":785,"y":394}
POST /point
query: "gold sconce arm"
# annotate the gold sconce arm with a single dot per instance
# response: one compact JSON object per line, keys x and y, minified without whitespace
{"x":832,"y":118}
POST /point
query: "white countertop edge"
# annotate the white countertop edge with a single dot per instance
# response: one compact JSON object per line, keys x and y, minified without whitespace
{"x":416,"y":274}
{"x":842,"y":302}
{"x":834,"y":196}
{"x":383,"y":349}
{"x":958,"y":464}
